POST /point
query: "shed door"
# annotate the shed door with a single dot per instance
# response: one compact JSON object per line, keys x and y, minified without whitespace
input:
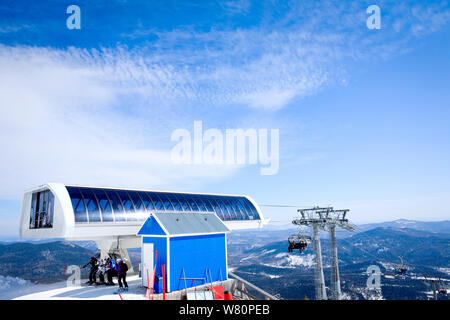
{"x":147,"y":264}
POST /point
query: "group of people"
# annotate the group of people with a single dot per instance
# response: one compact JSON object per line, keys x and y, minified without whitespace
{"x":300,"y":245}
{"x":107,"y":269}
{"x":400,"y":271}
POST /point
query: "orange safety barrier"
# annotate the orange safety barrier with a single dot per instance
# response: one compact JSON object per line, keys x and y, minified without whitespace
{"x":228,"y":296}
{"x":218,"y":291}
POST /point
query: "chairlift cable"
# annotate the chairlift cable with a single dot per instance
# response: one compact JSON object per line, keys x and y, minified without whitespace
{"x":283,"y":206}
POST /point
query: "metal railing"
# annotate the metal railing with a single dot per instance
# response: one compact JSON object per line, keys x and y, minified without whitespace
{"x":241,"y":292}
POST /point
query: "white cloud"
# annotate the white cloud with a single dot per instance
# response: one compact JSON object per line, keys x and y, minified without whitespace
{"x":12,"y":29}
{"x":273,"y":98}
{"x":60,"y":121}
{"x":236,"y":6}
{"x":103,"y":116}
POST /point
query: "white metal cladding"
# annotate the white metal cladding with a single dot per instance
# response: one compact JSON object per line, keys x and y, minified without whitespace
{"x":66,"y":226}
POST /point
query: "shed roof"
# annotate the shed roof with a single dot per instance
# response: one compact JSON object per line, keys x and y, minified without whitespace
{"x":183,"y":224}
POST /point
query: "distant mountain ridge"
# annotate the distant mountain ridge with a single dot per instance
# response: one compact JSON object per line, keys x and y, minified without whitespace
{"x":270,"y":266}
{"x":41,"y":262}
{"x":384,"y":244}
{"x":261,"y":257}
{"x":430,"y":226}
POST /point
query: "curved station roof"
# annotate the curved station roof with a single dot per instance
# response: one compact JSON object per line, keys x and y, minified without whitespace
{"x":94,"y":205}
{"x":81,"y":212}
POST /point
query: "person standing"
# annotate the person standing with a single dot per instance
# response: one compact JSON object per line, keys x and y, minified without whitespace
{"x":94,"y":267}
{"x":291,"y":247}
{"x":122,"y":269}
{"x":102,"y":271}
{"x":110,"y":269}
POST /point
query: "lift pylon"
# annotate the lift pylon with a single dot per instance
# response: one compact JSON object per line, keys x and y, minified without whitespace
{"x":326,"y":219}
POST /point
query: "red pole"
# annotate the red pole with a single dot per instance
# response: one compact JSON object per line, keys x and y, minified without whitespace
{"x":164,"y":281}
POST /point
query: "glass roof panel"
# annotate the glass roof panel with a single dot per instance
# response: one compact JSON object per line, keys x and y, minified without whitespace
{"x":116,"y":204}
{"x":207,"y":203}
{"x":105,"y":205}
{"x":78,"y":204}
{"x":216,"y":207}
{"x":91,"y":204}
{"x":148,"y":203}
{"x":94,"y":205}
{"x":174,"y":201}
{"x":226,"y":214}
{"x":241,"y":209}
{"x":166,"y":202}
{"x":232,"y":202}
{"x":191,"y":202}
{"x":184,"y":203}
{"x":156,"y":201}
{"x":130,"y":213}
{"x":141,"y":213}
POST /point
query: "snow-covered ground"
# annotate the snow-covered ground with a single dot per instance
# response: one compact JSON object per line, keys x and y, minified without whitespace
{"x":271,"y":276}
{"x":11,"y":286}
{"x":19,"y":289}
{"x":445,"y":270}
{"x":290,"y":261}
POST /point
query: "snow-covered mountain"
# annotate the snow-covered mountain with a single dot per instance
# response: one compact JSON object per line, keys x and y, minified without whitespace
{"x":429,"y":226}
{"x":41,"y":262}
{"x":271,"y":267}
{"x":261,"y":257}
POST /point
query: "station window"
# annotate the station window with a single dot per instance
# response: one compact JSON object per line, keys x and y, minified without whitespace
{"x":91,"y":205}
{"x":78,"y":205}
{"x":41,"y":213}
{"x":191,"y":202}
{"x":166,"y":202}
{"x":183,"y":202}
{"x":148,"y":203}
{"x":200,"y":203}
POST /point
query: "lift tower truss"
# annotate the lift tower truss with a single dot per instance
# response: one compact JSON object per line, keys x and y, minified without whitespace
{"x":326,"y":219}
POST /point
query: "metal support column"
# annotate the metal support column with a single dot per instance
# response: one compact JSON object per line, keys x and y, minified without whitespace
{"x":326,"y":219}
{"x":335,"y":281}
{"x":321,"y":293}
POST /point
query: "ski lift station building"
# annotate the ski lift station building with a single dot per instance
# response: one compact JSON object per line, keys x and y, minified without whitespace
{"x":192,"y":248}
{"x":118,"y":219}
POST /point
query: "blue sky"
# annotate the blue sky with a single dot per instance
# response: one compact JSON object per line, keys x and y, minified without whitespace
{"x":363,"y":114}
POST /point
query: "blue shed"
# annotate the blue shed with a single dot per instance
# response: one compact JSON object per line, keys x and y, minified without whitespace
{"x":192,"y":246}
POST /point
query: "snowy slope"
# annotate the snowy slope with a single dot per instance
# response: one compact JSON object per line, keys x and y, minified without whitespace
{"x":19,"y":289}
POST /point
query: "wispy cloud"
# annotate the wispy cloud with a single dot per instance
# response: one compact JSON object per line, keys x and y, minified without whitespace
{"x":236,"y":6}
{"x":294,"y":52}
{"x":99,"y":116}
{"x":62,"y":119}
{"x":11,"y":28}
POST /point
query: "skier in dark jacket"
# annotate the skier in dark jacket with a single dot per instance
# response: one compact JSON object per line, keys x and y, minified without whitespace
{"x":291,"y":247}
{"x":122,"y":269}
{"x":94,"y":267}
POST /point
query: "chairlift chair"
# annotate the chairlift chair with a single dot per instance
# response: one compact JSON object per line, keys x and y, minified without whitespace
{"x":442,"y":292}
{"x":298,"y":241}
{"x":401,"y":270}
